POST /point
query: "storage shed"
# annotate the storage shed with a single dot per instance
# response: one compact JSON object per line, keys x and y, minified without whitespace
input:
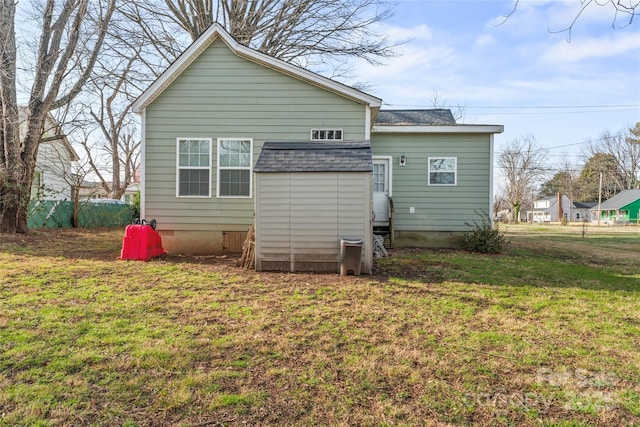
{"x":309,"y":196}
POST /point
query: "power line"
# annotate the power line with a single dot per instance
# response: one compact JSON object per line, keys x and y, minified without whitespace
{"x":586,"y":141}
{"x":531,"y":113}
{"x":633,"y":106}
{"x":522,"y":107}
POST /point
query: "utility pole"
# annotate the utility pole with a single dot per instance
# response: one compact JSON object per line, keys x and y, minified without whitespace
{"x":599,"y":198}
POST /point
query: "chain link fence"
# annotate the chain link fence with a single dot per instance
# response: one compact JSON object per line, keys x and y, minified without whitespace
{"x":59,"y":214}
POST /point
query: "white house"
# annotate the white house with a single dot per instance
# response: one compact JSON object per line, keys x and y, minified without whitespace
{"x":550,"y":209}
{"x":54,"y":163}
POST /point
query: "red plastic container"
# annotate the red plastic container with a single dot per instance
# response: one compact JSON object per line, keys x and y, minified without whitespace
{"x":141,"y":243}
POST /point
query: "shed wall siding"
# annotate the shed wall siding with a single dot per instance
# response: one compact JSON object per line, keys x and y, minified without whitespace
{"x":301,"y":217}
{"x":221,"y":95}
{"x":437,"y":208}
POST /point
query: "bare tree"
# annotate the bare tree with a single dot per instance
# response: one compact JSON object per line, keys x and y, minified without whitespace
{"x":624,"y":150}
{"x":522,"y":165}
{"x":70,"y":39}
{"x":128,"y":64}
{"x":565,"y":181}
{"x":457,"y":111}
{"x":116,"y":140}
{"x":304,"y":32}
{"x":624,"y":13}
{"x":499,"y":206}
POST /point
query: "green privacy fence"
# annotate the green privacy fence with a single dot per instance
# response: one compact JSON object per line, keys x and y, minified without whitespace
{"x":59,"y":214}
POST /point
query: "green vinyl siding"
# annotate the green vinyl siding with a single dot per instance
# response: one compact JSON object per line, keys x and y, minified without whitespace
{"x":437,"y":208}
{"x":221,"y":95}
{"x":633,"y":211}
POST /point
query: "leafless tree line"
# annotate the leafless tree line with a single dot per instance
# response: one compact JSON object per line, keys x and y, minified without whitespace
{"x":611,"y":164}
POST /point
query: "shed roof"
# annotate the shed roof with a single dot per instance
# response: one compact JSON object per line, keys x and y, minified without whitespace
{"x":621,"y":199}
{"x":315,"y":157}
{"x":431,"y":117}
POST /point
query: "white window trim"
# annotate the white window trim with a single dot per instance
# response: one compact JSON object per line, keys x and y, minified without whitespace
{"x":455,"y":179}
{"x":234,"y":168}
{"x":326,"y":129}
{"x":389,"y":160}
{"x":192,"y":167}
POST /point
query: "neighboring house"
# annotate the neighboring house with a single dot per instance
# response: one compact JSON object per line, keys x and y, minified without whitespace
{"x":550,"y":209}
{"x":95,"y":190}
{"x":622,"y":208}
{"x":208,"y":116}
{"x":582,"y":211}
{"x":54,"y":164}
{"x":91,"y":190}
{"x":130,"y":193}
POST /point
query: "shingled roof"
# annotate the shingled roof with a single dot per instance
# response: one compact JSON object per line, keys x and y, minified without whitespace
{"x":433,"y":117}
{"x":621,"y":199}
{"x":315,"y":157}
{"x":584,"y":205}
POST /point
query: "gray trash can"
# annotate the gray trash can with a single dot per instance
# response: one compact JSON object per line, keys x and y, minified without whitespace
{"x":350,"y":256}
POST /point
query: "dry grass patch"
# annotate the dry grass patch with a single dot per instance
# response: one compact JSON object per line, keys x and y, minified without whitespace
{"x":537,"y":336}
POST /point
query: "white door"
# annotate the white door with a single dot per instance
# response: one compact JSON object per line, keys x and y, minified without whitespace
{"x":381,"y":191}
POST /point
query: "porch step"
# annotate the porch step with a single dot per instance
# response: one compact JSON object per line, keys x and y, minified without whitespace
{"x":385,"y":232}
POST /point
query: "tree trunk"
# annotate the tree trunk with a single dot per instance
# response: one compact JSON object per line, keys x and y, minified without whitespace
{"x":13,"y":217}
{"x":16,"y":190}
{"x":76,"y":206}
{"x":516,"y":213}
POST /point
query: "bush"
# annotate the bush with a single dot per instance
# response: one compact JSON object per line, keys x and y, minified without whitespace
{"x":135,"y":204}
{"x":483,"y":237}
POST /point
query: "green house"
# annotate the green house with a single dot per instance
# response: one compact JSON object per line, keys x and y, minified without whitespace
{"x":207,"y":117}
{"x":622,"y":208}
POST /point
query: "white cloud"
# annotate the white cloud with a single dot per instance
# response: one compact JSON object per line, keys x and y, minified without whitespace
{"x":583,"y":49}
{"x":419,"y":55}
{"x":484,"y":40}
{"x":396,"y":34}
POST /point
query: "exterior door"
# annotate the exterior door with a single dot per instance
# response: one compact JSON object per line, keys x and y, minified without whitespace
{"x":381,"y":190}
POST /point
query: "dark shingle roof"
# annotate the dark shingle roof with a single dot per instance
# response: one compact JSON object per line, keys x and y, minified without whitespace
{"x":433,"y":117}
{"x":584,"y":205}
{"x":315,"y":157}
{"x":621,"y":199}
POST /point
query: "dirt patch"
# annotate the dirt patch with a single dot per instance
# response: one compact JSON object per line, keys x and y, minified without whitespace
{"x":105,"y":244}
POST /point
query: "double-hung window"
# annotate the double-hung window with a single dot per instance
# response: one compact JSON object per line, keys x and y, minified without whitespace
{"x":235,"y":160}
{"x":194,"y":167}
{"x":443,"y":171}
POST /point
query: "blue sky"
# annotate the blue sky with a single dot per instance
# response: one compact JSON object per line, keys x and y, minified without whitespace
{"x":517,"y":74}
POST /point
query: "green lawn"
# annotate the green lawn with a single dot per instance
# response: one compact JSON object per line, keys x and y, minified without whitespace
{"x":546,"y":334}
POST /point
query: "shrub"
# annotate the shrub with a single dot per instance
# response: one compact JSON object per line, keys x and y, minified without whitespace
{"x":135,"y":204}
{"x":483,"y":237}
